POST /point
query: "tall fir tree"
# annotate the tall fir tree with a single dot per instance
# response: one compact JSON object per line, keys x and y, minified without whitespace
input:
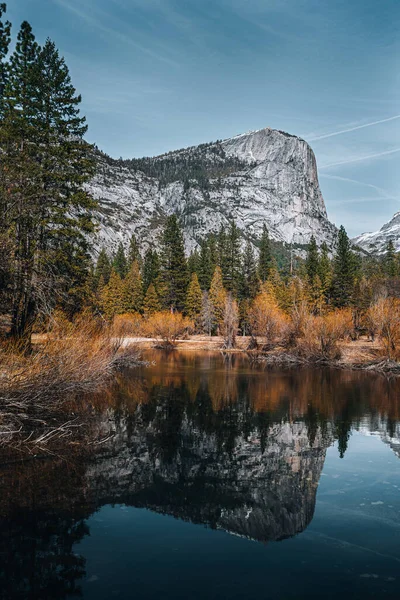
{"x":5,"y":39}
{"x":193,"y":262}
{"x":325,"y":271}
{"x":232,"y":266}
{"x":112,"y":296}
{"x":151,"y":302}
{"x":205,"y":269}
{"x":103,"y":268}
{"x":194,"y":299}
{"x":344,"y":270}
{"x":173,"y":266}
{"x":133,"y":289}
{"x":265,"y":257}
{"x":133,"y":252}
{"x":151,"y":269}
{"x":390,"y":261}
{"x":120,"y":264}
{"x":312,"y":260}
{"x":250,"y":283}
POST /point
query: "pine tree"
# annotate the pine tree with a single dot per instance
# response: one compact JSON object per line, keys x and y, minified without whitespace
{"x":151,"y":303}
{"x":217,"y":296}
{"x":174,"y":268}
{"x":312,"y":260}
{"x":390,"y":260}
{"x":344,"y":270}
{"x":151,"y":269}
{"x":5,"y":38}
{"x":250,"y":283}
{"x":194,"y":299}
{"x":133,"y":289}
{"x":193,"y":262}
{"x":133,"y":252}
{"x":232,"y":260}
{"x":120,"y":264}
{"x":53,"y":211}
{"x":325,"y":271}
{"x":205,"y":270}
{"x":103,"y":268}
{"x":20,"y":174}
{"x":112,"y":296}
{"x":265,"y":258}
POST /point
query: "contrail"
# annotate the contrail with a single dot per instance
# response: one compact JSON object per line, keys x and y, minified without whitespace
{"x":328,"y":135}
{"x":359,"y":158}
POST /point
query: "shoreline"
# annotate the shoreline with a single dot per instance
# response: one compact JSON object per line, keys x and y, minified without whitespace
{"x":359,"y":355}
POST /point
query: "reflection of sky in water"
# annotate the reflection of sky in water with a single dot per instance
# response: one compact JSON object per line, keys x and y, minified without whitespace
{"x":351,"y":549}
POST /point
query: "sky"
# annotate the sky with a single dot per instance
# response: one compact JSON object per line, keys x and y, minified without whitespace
{"x":157,"y":75}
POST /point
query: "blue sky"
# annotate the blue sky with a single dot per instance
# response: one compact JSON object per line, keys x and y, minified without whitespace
{"x":157,"y":75}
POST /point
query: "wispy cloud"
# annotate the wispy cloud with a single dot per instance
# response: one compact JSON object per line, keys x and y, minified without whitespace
{"x":341,"y":131}
{"x":360,"y":158}
{"x":94,"y":22}
{"x":381,"y":191}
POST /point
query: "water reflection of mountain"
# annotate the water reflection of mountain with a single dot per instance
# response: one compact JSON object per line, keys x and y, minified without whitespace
{"x":231,"y":447}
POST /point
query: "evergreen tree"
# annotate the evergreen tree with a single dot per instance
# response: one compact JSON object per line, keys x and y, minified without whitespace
{"x":232,"y":261}
{"x":325,"y":271}
{"x":344,"y":267}
{"x":5,"y":38}
{"x":193,"y":262}
{"x":46,"y":163}
{"x":194,"y":299}
{"x":120,"y":264}
{"x":151,"y":269}
{"x":151,"y":303}
{"x":312,"y":260}
{"x":250,"y":283}
{"x":174,"y":269}
{"x":265,"y":258}
{"x":133,"y":252}
{"x":390,"y":260}
{"x":103,"y":268}
{"x":133,"y":289}
{"x":205,"y":269}
{"x":112,"y":296}
{"x":217,"y":296}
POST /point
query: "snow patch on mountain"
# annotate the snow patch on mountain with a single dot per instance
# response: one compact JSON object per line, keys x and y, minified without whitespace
{"x":376,"y":242}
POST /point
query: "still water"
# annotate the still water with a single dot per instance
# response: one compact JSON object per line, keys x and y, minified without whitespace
{"x":201,"y":477}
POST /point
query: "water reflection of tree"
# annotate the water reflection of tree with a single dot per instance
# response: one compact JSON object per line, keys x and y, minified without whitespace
{"x":213,"y":394}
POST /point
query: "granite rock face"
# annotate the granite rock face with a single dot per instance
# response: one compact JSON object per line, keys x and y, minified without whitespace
{"x":265,"y":176}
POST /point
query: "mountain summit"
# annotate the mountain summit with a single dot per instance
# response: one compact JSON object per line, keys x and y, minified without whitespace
{"x":264,"y":176}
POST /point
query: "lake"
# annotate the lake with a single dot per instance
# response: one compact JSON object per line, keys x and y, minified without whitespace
{"x":204,"y":476}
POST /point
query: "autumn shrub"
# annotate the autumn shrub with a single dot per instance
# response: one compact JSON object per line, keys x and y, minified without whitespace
{"x":321,"y":335}
{"x":167,"y":327}
{"x":128,"y":324}
{"x":266,"y":319}
{"x":384,"y":318}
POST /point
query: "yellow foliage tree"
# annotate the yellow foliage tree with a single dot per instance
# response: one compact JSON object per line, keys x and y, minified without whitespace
{"x":265,"y":317}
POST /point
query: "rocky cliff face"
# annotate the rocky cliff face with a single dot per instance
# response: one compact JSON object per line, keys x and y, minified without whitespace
{"x":266,"y":176}
{"x":376,"y":242}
